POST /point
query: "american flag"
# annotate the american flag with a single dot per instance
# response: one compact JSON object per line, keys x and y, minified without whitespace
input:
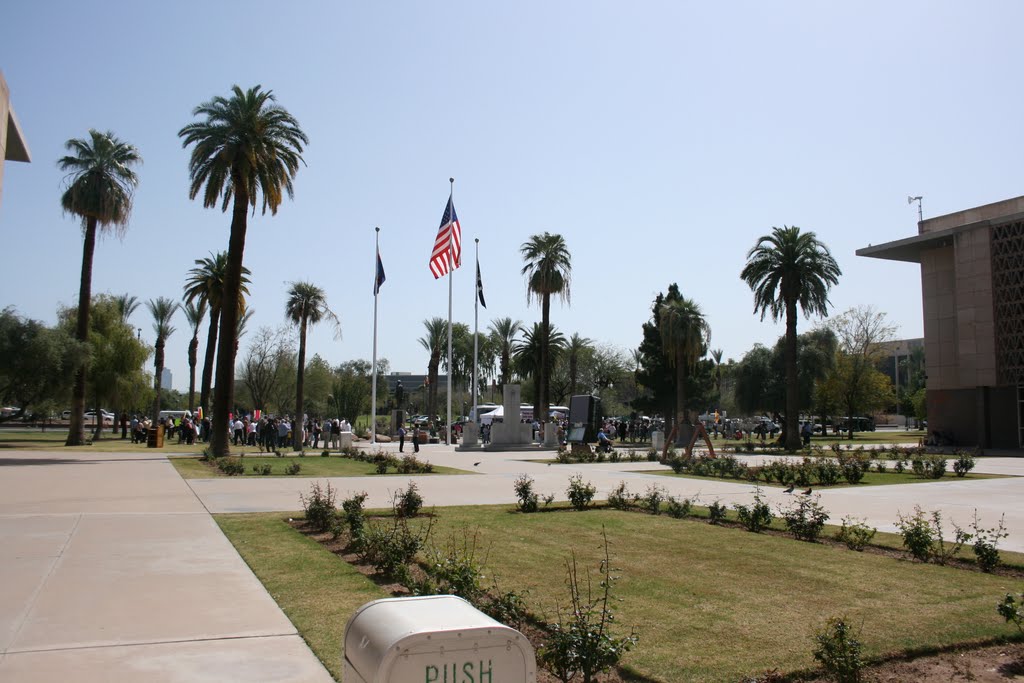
{"x":447,"y":255}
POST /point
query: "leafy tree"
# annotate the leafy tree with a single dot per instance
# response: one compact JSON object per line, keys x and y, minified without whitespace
{"x":574,"y":348}
{"x":653,"y":371}
{"x":685,"y":336}
{"x":760,"y":377}
{"x":306,"y":305}
{"x":205,"y":285}
{"x":317,"y":382}
{"x":351,"y":390}
{"x":247,"y":146}
{"x":162,"y":309}
{"x":503,"y":332}
{"x":267,"y":369}
{"x":785,"y":269}
{"x":36,"y":363}
{"x":435,"y":342}
{"x":548,"y":271}
{"x":100,"y":185}
{"x":194,"y":314}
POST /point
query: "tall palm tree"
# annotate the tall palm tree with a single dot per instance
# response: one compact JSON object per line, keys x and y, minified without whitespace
{"x":306,"y":305}
{"x":162,"y":309}
{"x":503,"y":332}
{"x":716,"y":373}
{"x":685,"y":335}
{"x":194,"y":313}
{"x":205,"y":284}
{"x":247,"y":146}
{"x":100,"y":185}
{"x":548,"y":271}
{"x":576,"y":346}
{"x":126,"y":304}
{"x":785,"y":269}
{"x":434,"y":341}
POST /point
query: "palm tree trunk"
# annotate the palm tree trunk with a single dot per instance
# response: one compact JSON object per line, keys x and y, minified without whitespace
{"x":792,"y":381}
{"x":298,"y":423}
{"x":211,"y":353}
{"x":193,"y":353}
{"x":543,"y":378}
{"x":224,"y":390}
{"x":76,"y":430}
{"x":682,"y":419}
{"x":159,"y":377}
{"x":432,"y":389}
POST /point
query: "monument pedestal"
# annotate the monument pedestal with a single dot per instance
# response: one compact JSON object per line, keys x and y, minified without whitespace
{"x":470,"y":437}
{"x":511,"y":432}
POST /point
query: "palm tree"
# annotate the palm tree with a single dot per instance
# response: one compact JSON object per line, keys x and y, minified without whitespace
{"x":205,"y":284}
{"x":99,"y":191}
{"x":577,"y":345}
{"x":684,"y":335}
{"x":716,"y":373}
{"x":548,"y":270}
{"x":528,"y":358}
{"x":162,"y":309}
{"x":246,"y":147}
{"x":306,"y":305}
{"x":194,"y":313}
{"x":503,"y":333}
{"x":434,"y":342}
{"x":785,"y":269}
{"x":126,"y":304}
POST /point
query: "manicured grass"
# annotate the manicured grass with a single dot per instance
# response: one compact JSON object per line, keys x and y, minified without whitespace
{"x":870,"y":479}
{"x":312,"y":466}
{"x":710,"y":603}
{"x":54,"y":437}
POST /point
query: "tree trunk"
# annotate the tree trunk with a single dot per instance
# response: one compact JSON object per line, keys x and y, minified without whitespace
{"x":76,"y":430}
{"x":543,"y":378}
{"x":792,"y":380}
{"x":298,"y":423}
{"x":224,"y":389}
{"x":682,"y":419}
{"x":193,"y":353}
{"x":211,"y":352}
{"x":435,"y":360}
{"x":158,"y":379}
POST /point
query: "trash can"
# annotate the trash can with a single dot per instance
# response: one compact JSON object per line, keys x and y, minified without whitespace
{"x":155,"y":437}
{"x":433,"y":639}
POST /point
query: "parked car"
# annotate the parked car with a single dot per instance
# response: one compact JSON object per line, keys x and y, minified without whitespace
{"x":90,"y":417}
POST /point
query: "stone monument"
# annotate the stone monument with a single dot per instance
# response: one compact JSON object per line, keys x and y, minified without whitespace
{"x":511,"y":432}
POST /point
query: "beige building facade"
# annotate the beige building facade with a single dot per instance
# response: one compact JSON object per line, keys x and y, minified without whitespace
{"x":972,"y":286}
{"x":12,"y":142}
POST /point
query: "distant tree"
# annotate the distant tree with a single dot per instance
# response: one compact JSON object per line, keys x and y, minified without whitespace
{"x":548,"y":271}
{"x":528,"y":356}
{"x":574,"y":348}
{"x":162,"y":309}
{"x":685,"y":335}
{"x":36,"y":364}
{"x":435,"y":341}
{"x":653,"y":371}
{"x":306,"y":305}
{"x":351,"y":390}
{"x":100,"y":185}
{"x":786,"y":269}
{"x":126,"y":304}
{"x":245,"y":146}
{"x":194,"y":314}
{"x":503,"y":333}
{"x":267,"y":369}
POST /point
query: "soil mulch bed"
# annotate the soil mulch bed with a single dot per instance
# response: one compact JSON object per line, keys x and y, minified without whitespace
{"x":989,"y":664}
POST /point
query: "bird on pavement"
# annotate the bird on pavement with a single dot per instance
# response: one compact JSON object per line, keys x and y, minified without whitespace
{"x":807,"y":492}
{"x":790,"y":489}
{"x":477,"y":463}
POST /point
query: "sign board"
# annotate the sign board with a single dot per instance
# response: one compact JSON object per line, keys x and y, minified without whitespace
{"x":433,"y":639}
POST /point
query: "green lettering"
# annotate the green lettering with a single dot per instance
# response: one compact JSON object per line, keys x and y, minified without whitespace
{"x":467,"y":670}
{"x":485,"y":673}
{"x":431,"y":673}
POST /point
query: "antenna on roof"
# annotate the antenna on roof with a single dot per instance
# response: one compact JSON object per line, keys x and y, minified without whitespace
{"x":920,"y":213}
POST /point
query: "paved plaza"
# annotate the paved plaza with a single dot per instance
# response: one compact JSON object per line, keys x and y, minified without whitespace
{"x":113,"y":569}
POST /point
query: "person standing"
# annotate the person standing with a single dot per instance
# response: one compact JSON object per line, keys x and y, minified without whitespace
{"x":415,"y":439}
{"x":401,"y":438}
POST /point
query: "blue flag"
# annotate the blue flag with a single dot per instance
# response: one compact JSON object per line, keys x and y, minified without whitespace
{"x":379,"y":280}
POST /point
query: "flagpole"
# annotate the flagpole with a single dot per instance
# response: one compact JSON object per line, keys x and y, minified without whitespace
{"x":476,"y":329}
{"x":451,"y":274}
{"x":373,"y":390}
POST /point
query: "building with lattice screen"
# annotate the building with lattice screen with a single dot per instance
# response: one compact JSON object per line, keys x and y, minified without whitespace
{"x":972,"y":286}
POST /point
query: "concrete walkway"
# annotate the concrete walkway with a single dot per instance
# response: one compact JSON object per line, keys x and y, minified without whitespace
{"x":492,"y":482}
{"x":112,"y":570}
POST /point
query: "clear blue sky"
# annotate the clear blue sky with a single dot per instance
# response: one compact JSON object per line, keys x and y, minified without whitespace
{"x":659,"y":138}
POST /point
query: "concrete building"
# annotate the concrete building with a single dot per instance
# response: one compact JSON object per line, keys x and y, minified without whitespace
{"x":12,"y":142}
{"x":166,"y":379}
{"x":972,"y":286}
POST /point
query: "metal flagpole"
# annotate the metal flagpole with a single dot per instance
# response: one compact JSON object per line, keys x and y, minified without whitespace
{"x":451,"y":274}
{"x":373,"y":390}
{"x":476,"y":330}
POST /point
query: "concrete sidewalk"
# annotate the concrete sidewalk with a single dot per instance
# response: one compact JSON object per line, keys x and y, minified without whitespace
{"x":114,"y":571}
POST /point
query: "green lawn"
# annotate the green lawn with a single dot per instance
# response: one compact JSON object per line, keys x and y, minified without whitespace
{"x":312,"y":466}
{"x":710,"y":603}
{"x":870,"y":479}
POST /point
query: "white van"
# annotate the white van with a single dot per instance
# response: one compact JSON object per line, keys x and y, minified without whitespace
{"x":176,"y":415}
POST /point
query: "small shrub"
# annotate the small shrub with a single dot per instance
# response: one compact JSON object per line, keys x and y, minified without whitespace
{"x":900,"y":466}
{"x":839,"y":652}
{"x":614,"y":456}
{"x":619,"y":497}
{"x":922,"y":536}
{"x":830,"y":471}
{"x":507,"y":607}
{"x":382,"y":466}
{"x":853,"y":472}
{"x":881,"y":466}
{"x":319,"y":506}
{"x":1012,"y":609}
{"x":580,"y":493}
{"x":652,"y":455}
{"x":231,"y":466}
{"x":963,"y":464}
{"x":651,"y":502}
{"x":352,"y":508}
{"x":716,"y":512}
{"x":407,"y":503}
{"x":805,"y":518}
{"x":856,"y":534}
{"x":986,"y":542}
{"x":755,"y":517}
{"x":293,"y":468}
{"x":678,"y":508}
{"x":525,"y":493}
{"x":263,"y":469}
{"x":455,"y":568}
{"x":390,"y":548}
